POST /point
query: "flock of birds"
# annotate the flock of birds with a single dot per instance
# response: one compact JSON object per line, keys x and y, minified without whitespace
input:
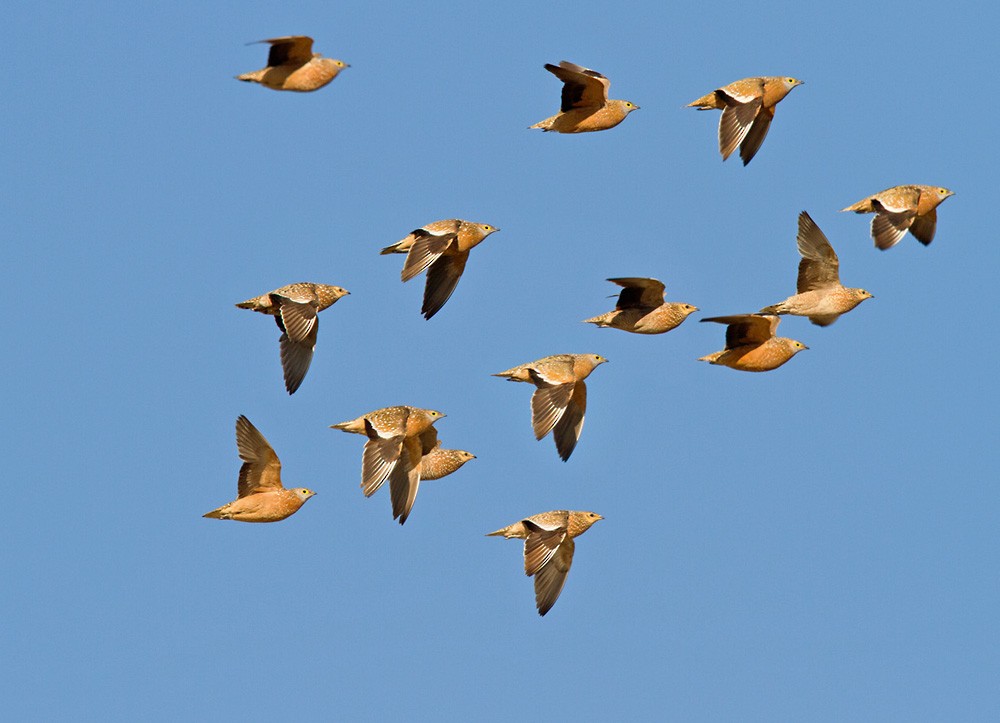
{"x":401,"y":443}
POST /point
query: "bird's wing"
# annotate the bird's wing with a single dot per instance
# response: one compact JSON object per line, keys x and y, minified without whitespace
{"x":261,"y":470}
{"x":404,"y":479}
{"x":923,"y":227}
{"x":426,"y":249}
{"x":889,"y":225}
{"x":550,"y":579}
{"x":296,"y":356}
{"x":567,"y":430}
{"x":442,"y":278}
{"x":639,"y":292}
{"x":734,"y":124}
{"x":548,"y":404}
{"x":582,"y":87}
{"x":819,"y":267}
{"x":757,"y":133}
{"x":292,"y":49}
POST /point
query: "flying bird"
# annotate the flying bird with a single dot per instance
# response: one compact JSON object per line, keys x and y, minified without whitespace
{"x":821,"y":296}
{"x":548,"y":549}
{"x":751,"y":345}
{"x":900,"y":209}
{"x":442,"y":248}
{"x":398,"y":440}
{"x":641,"y":308}
{"x":295,"y":308}
{"x":585,"y":105}
{"x":560,"y":399}
{"x":747,"y":111}
{"x":292,"y":65}
{"x":260,"y":495}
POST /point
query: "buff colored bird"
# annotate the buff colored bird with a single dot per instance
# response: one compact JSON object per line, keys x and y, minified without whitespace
{"x":442,"y":248}
{"x":260,"y":495}
{"x":747,"y":111}
{"x":751,"y":345}
{"x":641,"y":308}
{"x":548,"y":549}
{"x":900,"y":209}
{"x":821,"y":296}
{"x":397,"y":440}
{"x":295,"y":308}
{"x":292,"y":65}
{"x":435,"y":463}
{"x":585,"y":105}
{"x":560,"y":400}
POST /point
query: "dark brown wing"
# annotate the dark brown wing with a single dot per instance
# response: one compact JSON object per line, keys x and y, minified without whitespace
{"x":745,"y":329}
{"x":582,"y":87}
{"x":290,"y":50}
{"x":639,"y":292}
{"x":442,"y":279}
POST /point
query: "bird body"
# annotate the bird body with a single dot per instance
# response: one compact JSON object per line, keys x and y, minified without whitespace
{"x":559,"y":403}
{"x":747,"y":107}
{"x":295,"y":308}
{"x":291,"y":65}
{"x":900,"y":209}
{"x":641,"y":308}
{"x":260,"y":495}
{"x":585,"y":106}
{"x":442,"y":249}
{"x":751,"y":345}
{"x":548,"y":549}
{"x":821,"y":296}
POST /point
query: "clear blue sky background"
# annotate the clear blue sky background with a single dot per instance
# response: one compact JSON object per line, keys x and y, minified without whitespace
{"x":819,"y":542}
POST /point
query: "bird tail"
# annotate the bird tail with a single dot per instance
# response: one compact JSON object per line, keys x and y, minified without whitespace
{"x":498,"y":533}
{"x":773,"y":309}
{"x":253,"y":77}
{"x":354,"y":426}
{"x":545,"y":125}
{"x":711,"y":358}
{"x":214,"y":514}
{"x":394,"y":249}
{"x":707,"y":102}
{"x":862,"y":206}
{"x":515,"y":374}
{"x":604,"y":320}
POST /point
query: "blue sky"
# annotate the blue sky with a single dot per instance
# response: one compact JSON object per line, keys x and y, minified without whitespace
{"x":816,"y":543}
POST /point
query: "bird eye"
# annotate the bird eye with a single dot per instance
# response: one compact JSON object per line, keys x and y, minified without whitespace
{"x":628,"y":105}
{"x":790,"y":80}
{"x":486,"y":227}
{"x":942,"y":190}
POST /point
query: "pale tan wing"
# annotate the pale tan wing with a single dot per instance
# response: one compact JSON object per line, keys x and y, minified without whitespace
{"x":548,"y":404}
{"x":639,"y":292}
{"x":747,"y":329}
{"x":549,"y":581}
{"x":541,"y":544}
{"x":734,"y":124}
{"x":404,"y":479}
{"x":889,"y":226}
{"x":819,"y":267}
{"x":567,"y":430}
{"x":261,"y":470}
{"x":426,"y":249}
{"x":380,"y":456}
{"x":298,"y":318}
{"x":582,"y":87}
{"x":923,"y":227}
{"x":292,"y":50}
{"x":442,"y":279}
{"x":756,"y":135}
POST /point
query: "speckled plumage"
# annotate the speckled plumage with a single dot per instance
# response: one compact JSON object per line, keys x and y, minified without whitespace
{"x":398,"y":439}
{"x":900,"y":209}
{"x":295,"y":308}
{"x":548,"y":549}
{"x":442,"y":248}
{"x":751,"y":345}
{"x":560,"y":399}
{"x":260,"y":495}
{"x":747,"y":107}
{"x":292,"y":65}
{"x":641,"y":308}
{"x":821,"y":297}
{"x":585,"y":106}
